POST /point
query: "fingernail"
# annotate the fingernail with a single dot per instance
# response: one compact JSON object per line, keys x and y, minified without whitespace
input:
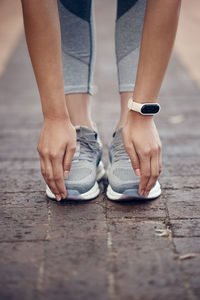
{"x":137,"y":172}
{"x":66,"y":174}
{"x":63,"y":196}
{"x":58,"y":197}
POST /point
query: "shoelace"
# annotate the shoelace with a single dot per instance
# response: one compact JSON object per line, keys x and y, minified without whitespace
{"x":85,"y":145}
{"x":119,"y":152}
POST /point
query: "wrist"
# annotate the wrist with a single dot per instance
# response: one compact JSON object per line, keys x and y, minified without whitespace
{"x":64,"y":116}
{"x":136,"y":116}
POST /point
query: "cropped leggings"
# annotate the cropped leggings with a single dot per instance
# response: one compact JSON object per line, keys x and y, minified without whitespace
{"x":78,"y":43}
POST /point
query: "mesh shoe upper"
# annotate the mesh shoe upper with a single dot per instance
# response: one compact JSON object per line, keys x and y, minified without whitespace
{"x":87,"y":156}
{"x":121,"y":175}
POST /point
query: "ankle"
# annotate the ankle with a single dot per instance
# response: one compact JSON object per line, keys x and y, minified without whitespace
{"x":78,"y":106}
{"x":82,"y":122}
{"x":124,"y":97}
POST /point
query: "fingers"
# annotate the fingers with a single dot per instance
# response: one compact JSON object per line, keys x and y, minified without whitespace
{"x":134,"y":159}
{"x":145,"y":169}
{"x":58,"y":175}
{"x":49,"y":178}
{"x":151,"y":165}
{"x":52,"y":171}
{"x":67,"y":161}
{"x":154,"y":174}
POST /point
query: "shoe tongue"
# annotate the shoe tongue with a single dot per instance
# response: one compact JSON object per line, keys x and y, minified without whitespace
{"x":85,"y":132}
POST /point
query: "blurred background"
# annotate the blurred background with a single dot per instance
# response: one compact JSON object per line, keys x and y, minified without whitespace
{"x":100,"y":250}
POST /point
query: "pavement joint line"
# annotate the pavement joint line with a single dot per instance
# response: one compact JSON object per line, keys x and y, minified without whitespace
{"x":182,"y":218}
{"x":49,"y":213}
{"x":23,"y":241}
{"x":162,"y":219}
{"x":136,"y":219}
{"x":23,"y":192}
{"x":111,"y":258}
{"x":41,"y":270}
{"x":186,"y":236}
{"x":39,"y":284}
{"x":181,"y":189}
{"x":169,"y":226}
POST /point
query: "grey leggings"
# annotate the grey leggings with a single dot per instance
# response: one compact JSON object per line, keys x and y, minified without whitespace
{"x":78,"y":43}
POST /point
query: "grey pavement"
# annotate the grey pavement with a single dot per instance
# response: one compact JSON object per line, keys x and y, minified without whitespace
{"x":99,"y":249}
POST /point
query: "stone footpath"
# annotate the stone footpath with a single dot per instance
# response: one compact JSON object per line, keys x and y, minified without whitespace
{"x":99,"y":250}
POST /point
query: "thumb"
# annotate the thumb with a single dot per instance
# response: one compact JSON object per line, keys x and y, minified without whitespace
{"x":67,"y":161}
{"x":134,"y":160}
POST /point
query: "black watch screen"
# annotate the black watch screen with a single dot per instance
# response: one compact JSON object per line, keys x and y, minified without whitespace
{"x":150,"y":108}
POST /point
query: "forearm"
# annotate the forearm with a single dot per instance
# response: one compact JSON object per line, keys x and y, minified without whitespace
{"x":42,"y":28}
{"x":159,"y":30}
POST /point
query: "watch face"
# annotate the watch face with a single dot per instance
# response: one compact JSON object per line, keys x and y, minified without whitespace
{"x":150,"y":108}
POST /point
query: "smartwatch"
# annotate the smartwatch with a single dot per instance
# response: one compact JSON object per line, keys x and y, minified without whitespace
{"x":144,"y":108}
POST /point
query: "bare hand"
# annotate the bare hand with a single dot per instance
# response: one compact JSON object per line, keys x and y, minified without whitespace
{"x":56,"y":147}
{"x":142,"y":143}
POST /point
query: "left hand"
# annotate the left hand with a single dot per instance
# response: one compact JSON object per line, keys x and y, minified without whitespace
{"x":142,"y":143}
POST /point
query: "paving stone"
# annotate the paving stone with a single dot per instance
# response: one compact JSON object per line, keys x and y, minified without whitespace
{"x":138,"y":209}
{"x":19,"y":144}
{"x":69,"y":210}
{"x":184,"y":209}
{"x":174,"y":169}
{"x":18,"y":281}
{"x":186,"y":228}
{"x":20,"y":165}
{"x":21,"y":175}
{"x":179,"y":182}
{"x":17,"y":181}
{"x":183,"y":204}
{"x":23,"y":217}
{"x":142,"y":263}
{"x":188,"y":195}
{"x":23,"y":252}
{"x":20,"y":266}
{"x":190,"y":266}
{"x":77,"y":260}
{"x":186,"y":245}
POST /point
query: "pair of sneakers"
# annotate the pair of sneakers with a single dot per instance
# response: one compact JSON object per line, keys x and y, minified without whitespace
{"x":87,"y":169}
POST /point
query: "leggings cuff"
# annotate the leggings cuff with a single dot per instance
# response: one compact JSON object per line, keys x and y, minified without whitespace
{"x":126,"y":87}
{"x":79,"y":89}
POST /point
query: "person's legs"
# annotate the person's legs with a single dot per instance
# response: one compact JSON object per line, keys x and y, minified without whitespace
{"x":128,"y":33}
{"x":78,"y":52}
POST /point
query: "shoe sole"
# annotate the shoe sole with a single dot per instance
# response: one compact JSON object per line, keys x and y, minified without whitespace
{"x":89,"y":195}
{"x":132,"y":194}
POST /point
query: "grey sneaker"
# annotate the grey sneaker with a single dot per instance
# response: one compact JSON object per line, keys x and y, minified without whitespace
{"x":123,"y":183}
{"x":87,"y":167}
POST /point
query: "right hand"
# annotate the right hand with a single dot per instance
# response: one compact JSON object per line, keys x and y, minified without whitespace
{"x":142,"y":143}
{"x":56,"y":147}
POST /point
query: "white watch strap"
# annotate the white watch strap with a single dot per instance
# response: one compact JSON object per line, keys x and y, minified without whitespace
{"x":134,"y":105}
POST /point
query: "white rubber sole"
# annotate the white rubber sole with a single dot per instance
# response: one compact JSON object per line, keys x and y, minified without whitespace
{"x":91,"y":194}
{"x":115,"y":196}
